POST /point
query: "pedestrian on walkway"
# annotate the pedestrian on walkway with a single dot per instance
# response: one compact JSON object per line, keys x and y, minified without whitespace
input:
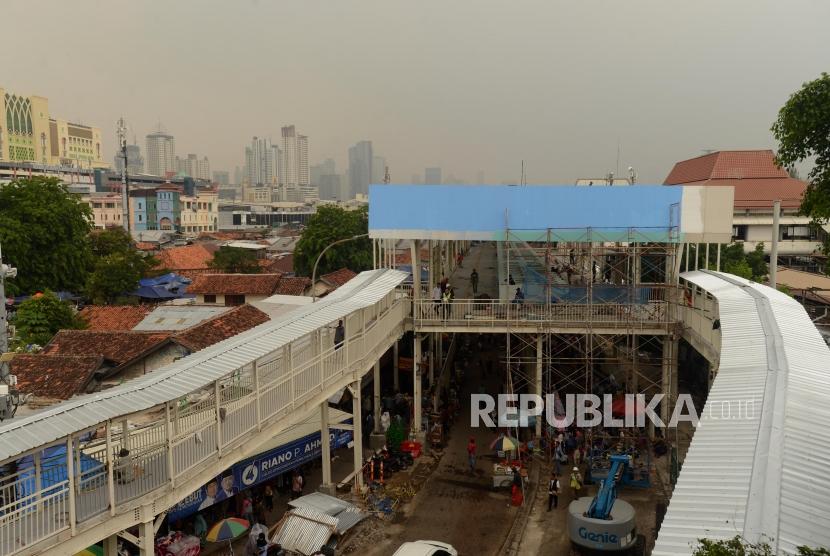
{"x":248,"y":509}
{"x":296,"y":485}
{"x":268,"y":496}
{"x":572,"y":256}
{"x":474,"y":281}
{"x":553,"y":491}
{"x":519,"y":298}
{"x":437,"y":292}
{"x":576,"y":482}
{"x":448,"y":296}
{"x":339,"y":335}
{"x":471,"y":454}
{"x":460,"y":260}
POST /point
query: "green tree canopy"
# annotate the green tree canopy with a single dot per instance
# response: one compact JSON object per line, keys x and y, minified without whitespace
{"x":115,"y":275}
{"x":43,"y":232}
{"x":803,"y":132}
{"x":329,"y":224}
{"x":39,"y":318}
{"x":235,"y":260}
{"x":109,"y":241}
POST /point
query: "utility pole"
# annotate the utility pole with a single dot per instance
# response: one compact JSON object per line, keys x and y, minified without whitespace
{"x":125,"y":179}
{"x":386,"y":177}
{"x":773,"y":256}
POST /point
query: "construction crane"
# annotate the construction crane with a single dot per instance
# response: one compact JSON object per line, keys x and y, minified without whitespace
{"x":604,"y":523}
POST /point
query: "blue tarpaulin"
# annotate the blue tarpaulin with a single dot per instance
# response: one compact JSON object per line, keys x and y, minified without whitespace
{"x":171,"y":278}
{"x":52,"y":470}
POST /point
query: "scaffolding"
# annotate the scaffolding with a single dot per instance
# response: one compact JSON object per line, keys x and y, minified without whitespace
{"x":584,"y":267}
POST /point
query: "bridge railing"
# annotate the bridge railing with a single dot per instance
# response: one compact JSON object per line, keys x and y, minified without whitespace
{"x":475,"y":312}
{"x":94,"y":475}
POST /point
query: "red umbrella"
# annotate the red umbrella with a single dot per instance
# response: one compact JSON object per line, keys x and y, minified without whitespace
{"x":619,"y":408}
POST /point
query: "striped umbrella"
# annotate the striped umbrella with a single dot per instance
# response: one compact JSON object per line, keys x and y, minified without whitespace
{"x":504,"y":444}
{"x":227,"y":529}
{"x":93,"y":550}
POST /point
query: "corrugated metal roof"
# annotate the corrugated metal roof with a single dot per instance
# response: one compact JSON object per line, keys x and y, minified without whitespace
{"x":347,"y":514}
{"x":304,"y":530}
{"x":177,"y":317}
{"x":195,"y":371}
{"x":763,"y":476}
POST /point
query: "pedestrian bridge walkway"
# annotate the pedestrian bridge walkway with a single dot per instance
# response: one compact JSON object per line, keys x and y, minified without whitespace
{"x":93,"y":466}
{"x":757,"y":464}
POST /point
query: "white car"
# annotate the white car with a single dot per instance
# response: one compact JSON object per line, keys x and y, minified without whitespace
{"x":425,"y":548}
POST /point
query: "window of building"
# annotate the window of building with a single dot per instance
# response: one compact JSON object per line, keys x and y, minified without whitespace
{"x":739,"y":232}
{"x":139,"y":218}
{"x":798,"y":232}
{"x":210,"y":298}
{"x":234,"y":300}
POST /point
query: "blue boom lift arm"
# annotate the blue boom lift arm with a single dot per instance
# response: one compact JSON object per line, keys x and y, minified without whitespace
{"x":603,"y":502}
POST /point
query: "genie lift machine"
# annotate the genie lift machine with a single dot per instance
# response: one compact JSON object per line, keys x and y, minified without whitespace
{"x":604,"y":523}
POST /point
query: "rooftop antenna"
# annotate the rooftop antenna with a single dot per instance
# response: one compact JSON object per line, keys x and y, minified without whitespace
{"x":386,"y":178}
{"x":125,"y":180}
{"x":632,"y":175}
{"x":523,"y":178}
{"x":618,"y":157}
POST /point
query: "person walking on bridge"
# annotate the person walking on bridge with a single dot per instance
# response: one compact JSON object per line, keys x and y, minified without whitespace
{"x":474,"y":281}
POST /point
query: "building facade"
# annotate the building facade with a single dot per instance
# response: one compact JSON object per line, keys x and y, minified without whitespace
{"x":260,"y":166}
{"x":758,"y":183}
{"x":194,"y":167}
{"x":161,"y":154}
{"x":199,"y":212}
{"x":106,"y":209}
{"x":295,"y":157}
{"x":29,"y":134}
{"x":135,"y":162}
{"x":360,"y":168}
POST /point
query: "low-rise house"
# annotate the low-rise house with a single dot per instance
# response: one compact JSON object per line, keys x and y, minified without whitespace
{"x":233,"y":289}
{"x":327,"y":283}
{"x":113,"y":317}
{"x":48,"y":379}
{"x":189,"y":260}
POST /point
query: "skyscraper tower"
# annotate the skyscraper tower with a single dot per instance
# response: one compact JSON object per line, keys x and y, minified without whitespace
{"x":295,"y":164}
{"x":360,"y":168}
{"x":161,"y":153}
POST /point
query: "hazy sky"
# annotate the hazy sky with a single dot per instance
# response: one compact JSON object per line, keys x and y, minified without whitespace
{"x":467,"y":85}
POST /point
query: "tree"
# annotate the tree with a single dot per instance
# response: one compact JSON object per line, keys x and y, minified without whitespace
{"x":117,"y":266}
{"x":738,"y":546}
{"x":40,"y":317}
{"x":803,"y":132}
{"x":43,"y":231}
{"x":235,"y":260}
{"x":756,"y":261}
{"x":109,"y":241}
{"x":329,"y":224}
{"x":114,"y":276}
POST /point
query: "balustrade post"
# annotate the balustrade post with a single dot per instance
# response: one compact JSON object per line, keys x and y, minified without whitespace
{"x":218,"y":395}
{"x":168,"y":418}
{"x":70,"y":475}
{"x":110,"y":469}
{"x":38,"y":478}
{"x":255,"y":375}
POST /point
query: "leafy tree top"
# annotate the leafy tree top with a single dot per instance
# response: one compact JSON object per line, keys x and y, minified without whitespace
{"x":738,"y":546}
{"x":43,"y":232}
{"x":40,"y":317}
{"x":329,"y":224}
{"x":235,"y":260}
{"x":803,"y":132}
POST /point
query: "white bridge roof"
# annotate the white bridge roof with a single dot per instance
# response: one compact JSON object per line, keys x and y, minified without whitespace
{"x":763,"y":475}
{"x":194,"y":372}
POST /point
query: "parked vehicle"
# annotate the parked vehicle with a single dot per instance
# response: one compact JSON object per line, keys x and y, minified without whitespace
{"x":425,"y":548}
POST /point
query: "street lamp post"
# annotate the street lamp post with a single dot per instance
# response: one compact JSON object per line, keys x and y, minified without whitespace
{"x":320,"y":256}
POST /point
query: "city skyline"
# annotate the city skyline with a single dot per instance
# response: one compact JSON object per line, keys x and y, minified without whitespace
{"x":472,"y":95}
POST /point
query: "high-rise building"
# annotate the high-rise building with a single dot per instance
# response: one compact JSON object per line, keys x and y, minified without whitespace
{"x":325,"y":168}
{"x":432,"y":176}
{"x":28,"y":134}
{"x":360,"y":168}
{"x":260,"y":167}
{"x":161,"y":153}
{"x":221,"y":177}
{"x":295,"y":157}
{"x":194,"y":167}
{"x":239,"y":173}
{"x":279,"y":172}
{"x":135,"y":162}
{"x":378,"y":169}
{"x":331,"y":187}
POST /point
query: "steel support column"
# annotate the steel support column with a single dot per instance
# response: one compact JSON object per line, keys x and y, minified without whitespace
{"x":357,"y":419}
{"x":326,"y":445}
{"x":396,"y":376}
{"x":539,"y":354}
{"x":146,"y":538}
{"x":416,"y":381}
{"x":376,"y":396}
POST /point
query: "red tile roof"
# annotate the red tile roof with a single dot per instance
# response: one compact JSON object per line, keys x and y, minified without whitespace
{"x":146,"y":246}
{"x":338,"y":277}
{"x":118,"y":347}
{"x":113,"y":317}
{"x":54,"y":376}
{"x":726,"y":165}
{"x":754,"y":175}
{"x":188,"y":257}
{"x":221,"y":327}
{"x":270,"y":266}
{"x":235,"y":284}
{"x":284,"y":264}
{"x":293,"y":285}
